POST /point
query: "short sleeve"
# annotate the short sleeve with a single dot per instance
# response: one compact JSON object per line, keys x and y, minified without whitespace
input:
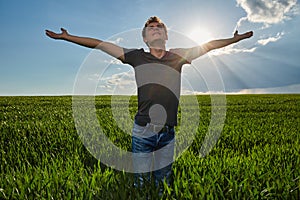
{"x":189,"y":54}
{"x":130,"y":56}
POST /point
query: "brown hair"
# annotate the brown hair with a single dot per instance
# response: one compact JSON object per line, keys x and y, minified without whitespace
{"x":153,"y":19}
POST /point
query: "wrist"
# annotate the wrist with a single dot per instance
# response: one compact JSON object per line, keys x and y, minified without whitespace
{"x":236,"y":39}
{"x":66,"y":37}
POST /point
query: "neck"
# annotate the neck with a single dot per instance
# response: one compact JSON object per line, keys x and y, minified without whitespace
{"x":159,"y":53}
{"x":158,"y":48}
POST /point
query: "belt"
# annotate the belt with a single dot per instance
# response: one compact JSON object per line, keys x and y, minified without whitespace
{"x":156,"y":128}
{"x":159,"y":128}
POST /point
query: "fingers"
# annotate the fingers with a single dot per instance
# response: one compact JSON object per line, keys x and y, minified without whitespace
{"x":63,"y":30}
{"x":249,"y":34}
{"x":244,"y":35}
{"x":57,"y":35}
{"x":49,"y":33}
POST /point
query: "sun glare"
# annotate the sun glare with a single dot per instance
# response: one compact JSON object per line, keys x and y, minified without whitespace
{"x":200,"y":35}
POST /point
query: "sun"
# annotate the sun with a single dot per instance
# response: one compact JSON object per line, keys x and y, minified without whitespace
{"x":200,"y":35}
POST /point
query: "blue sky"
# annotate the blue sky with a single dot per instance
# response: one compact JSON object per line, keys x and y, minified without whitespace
{"x":33,"y":64}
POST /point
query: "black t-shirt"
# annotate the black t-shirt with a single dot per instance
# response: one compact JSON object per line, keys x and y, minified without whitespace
{"x":158,"y":82}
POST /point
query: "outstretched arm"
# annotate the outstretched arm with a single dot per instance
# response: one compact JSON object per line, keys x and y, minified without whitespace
{"x":216,"y":44}
{"x":198,"y":51}
{"x":107,"y":47}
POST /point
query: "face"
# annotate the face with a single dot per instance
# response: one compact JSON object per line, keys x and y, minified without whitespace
{"x":155,"y":32}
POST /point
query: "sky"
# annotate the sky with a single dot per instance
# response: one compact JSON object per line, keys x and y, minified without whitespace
{"x":33,"y":64}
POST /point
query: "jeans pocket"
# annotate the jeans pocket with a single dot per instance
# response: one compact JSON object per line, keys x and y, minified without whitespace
{"x":139,"y":130}
{"x":142,"y":131}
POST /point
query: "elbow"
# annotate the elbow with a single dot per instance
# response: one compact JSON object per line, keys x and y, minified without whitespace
{"x":208,"y":47}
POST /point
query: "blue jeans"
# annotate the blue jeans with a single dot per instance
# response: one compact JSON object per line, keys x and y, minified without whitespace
{"x":153,"y":152}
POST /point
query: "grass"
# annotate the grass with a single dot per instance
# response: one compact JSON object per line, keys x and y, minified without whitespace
{"x":256,"y":157}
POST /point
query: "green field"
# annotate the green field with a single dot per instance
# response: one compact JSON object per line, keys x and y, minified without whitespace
{"x":256,"y":157}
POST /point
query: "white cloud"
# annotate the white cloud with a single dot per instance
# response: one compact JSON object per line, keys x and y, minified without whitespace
{"x":121,"y":83}
{"x":264,"y":14}
{"x":113,"y":61}
{"x":290,"y":89}
{"x":231,"y":50}
{"x":268,"y":11}
{"x":270,"y":39}
{"x":187,"y":91}
{"x":116,"y":41}
{"x":93,"y":77}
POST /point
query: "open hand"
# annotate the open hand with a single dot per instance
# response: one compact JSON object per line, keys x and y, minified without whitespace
{"x":243,"y":36}
{"x":54,"y":35}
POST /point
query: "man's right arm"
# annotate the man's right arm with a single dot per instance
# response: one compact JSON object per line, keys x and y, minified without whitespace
{"x":110,"y":48}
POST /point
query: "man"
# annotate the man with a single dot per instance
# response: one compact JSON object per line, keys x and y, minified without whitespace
{"x":158,"y":79}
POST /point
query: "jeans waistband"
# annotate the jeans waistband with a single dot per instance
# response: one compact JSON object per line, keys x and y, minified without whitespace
{"x":159,"y":128}
{"x":145,"y":124}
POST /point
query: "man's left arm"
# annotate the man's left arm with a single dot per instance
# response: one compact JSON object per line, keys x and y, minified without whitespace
{"x":195,"y":52}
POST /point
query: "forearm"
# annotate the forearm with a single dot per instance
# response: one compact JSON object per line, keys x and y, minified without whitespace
{"x":216,"y":44}
{"x":197,"y":51}
{"x":110,"y":48}
{"x":83,"y":41}
{"x":93,"y":43}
